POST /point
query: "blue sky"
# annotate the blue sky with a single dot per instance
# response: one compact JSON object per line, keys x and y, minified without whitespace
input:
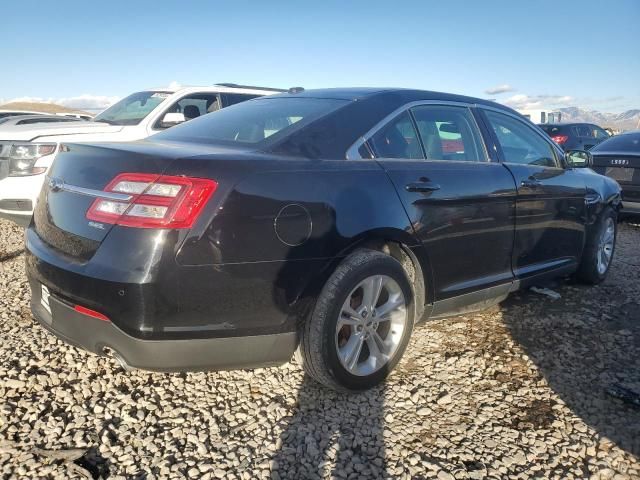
{"x":549,"y":53}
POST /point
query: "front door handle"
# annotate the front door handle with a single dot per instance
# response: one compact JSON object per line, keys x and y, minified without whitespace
{"x":421,"y":187}
{"x":530,"y":183}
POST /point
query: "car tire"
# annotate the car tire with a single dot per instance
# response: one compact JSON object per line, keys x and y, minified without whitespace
{"x":339,"y":338}
{"x":599,"y":249}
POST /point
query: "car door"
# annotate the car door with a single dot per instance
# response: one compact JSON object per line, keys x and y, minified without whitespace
{"x":550,"y":205}
{"x":460,"y":204}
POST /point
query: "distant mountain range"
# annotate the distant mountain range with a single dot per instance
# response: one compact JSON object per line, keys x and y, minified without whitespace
{"x":629,"y":120}
{"x":39,"y":107}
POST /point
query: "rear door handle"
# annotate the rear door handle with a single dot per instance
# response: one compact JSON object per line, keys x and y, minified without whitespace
{"x":421,"y":187}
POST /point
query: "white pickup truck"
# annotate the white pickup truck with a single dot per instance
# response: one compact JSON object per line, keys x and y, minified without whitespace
{"x":27,"y":151}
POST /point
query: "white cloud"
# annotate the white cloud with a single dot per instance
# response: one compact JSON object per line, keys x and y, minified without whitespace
{"x":504,"y":88}
{"x":80,"y":102}
{"x":175,"y":84}
{"x":538,"y":102}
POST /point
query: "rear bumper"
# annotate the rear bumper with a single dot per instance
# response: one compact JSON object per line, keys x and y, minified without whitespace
{"x":198,"y":354}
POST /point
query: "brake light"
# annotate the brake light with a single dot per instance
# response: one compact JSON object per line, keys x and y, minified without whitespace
{"x":157,"y":201}
{"x":560,"y":139}
{"x":90,"y":313}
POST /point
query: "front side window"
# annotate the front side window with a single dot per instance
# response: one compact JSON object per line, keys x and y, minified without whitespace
{"x":448,"y":133}
{"x":192,"y":106}
{"x":132,"y":109}
{"x":519,"y":142}
{"x":600,"y":133}
{"x":256,"y":121}
{"x":397,"y":139}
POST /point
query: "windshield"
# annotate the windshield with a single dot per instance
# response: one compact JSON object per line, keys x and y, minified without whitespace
{"x":254,"y":121}
{"x":132,"y":109}
{"x":627,"y":142}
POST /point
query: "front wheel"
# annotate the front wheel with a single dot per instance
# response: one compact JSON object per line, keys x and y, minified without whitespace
{"x":599,"y":248}
{"x":361,"y":323}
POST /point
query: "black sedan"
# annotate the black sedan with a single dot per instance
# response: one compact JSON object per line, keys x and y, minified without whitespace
{"x":575,"y":136}
{"x":323,"y":222}
{"x":619,"y":158}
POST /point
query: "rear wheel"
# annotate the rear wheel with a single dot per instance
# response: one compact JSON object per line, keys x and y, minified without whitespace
{"x":599,"y":249}
{"x":361,"y":323}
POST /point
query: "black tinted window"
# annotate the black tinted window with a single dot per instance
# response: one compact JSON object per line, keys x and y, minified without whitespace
{"x":552,"y":129}
{"x":397,"y":139}
{"x":519,"y":142}
{"x":448,"y":133}
{"x":255,"y":121}
{"x":233,"y":98}
{"x":583,"y":131}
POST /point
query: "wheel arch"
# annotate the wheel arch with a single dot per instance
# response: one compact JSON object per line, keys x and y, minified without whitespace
{"x":393,"y":242}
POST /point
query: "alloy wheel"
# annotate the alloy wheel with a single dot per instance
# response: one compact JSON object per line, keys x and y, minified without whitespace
{"x":605,"y":248}
{"x":371,"y":325}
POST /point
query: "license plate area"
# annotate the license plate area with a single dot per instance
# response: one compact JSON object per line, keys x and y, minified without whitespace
{"x":620,"y":174}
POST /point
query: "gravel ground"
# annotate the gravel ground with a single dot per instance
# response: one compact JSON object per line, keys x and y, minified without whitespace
{"x":519,"y":391}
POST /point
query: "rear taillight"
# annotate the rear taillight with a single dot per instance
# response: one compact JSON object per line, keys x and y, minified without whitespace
{"x":560,"y":139}
{"x":157,"y":201}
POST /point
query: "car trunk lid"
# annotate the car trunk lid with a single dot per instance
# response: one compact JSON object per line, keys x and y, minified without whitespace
{"x":77,"y":178}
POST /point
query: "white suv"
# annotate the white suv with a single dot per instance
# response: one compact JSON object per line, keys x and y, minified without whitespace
{"x":27,"y":151}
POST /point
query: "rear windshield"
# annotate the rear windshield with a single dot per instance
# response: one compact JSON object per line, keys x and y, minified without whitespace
{"x":629,"y":142}
{"x":552,"y":129}
{"x":254,"y":121}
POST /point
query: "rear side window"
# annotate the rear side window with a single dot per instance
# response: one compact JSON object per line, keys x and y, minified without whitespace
{"x":448,"y":133}
{"x":254,"y":122}
{"x":229,"y":99}
{"x":397,"y":139}
{"x":583,"y":131}
{"x":519,"y":142}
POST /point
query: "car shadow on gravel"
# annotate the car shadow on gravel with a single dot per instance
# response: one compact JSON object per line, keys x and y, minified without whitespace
{"x":583,"y":344}
{"x":6,"y":256}
{"x":332,"y":434}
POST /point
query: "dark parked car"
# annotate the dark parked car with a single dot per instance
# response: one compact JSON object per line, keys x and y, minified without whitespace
{"x":575,"y":136}
{"x":619,"y":158}
{"x":325,"y":222}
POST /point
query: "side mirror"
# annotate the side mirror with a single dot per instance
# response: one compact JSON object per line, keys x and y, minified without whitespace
{"x":172,"y":119}
{"x":579,"y":159}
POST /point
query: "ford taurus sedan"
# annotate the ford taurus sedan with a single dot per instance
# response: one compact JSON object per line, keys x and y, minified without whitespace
{"x":324,"y":223}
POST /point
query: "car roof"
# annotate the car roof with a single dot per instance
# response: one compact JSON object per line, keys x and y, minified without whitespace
{"x":213,"y":88}
{"x":572,"y":124}
{"x":405,"y":95}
